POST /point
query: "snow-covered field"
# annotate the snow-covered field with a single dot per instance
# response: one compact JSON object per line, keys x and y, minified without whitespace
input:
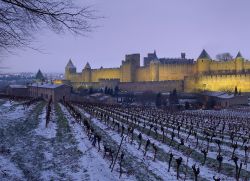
{"x":65,"y":149}
{"x":150,"y":123}
{"x":61,"y":151}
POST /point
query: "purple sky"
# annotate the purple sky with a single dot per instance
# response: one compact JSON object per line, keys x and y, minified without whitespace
{"x":142,"y":26}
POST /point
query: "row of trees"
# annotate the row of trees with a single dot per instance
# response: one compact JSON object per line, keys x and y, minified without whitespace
{"x":173,"y":99}
{"x":224,"y":56}
{"x":106,"y":90}
{"x":111,"y":91}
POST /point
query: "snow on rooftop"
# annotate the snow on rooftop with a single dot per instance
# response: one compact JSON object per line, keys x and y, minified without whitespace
{"x":96,"y":95}
{"x":222,"y":95}
{"x":48,"y":85}
{"x":18,"y":86}
{"x":49,"y":131}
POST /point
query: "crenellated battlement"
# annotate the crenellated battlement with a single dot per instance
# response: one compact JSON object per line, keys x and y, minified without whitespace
{"x":204,"y":73}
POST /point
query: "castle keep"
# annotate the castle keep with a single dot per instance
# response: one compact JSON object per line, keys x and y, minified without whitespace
{"x":165,"y":74}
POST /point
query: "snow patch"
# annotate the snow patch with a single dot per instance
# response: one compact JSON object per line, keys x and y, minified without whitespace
{"x":49,"y":131}
{"x":9,"y":171}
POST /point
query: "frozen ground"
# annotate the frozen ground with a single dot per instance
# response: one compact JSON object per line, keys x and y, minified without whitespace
{"x":97,"y":168}
{"x":62,"y":151}
{"x":30,"y":151}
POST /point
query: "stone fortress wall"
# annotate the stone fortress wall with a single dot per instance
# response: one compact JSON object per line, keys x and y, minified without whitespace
{"x":165,"y":74}
{"x":217,"y":83}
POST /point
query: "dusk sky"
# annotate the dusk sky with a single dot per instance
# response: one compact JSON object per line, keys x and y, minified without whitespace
{"x":142,"y":26}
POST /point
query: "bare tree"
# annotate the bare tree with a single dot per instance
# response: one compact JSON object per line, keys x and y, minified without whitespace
{"x":224,"y":56}
{"x":20,"y":19}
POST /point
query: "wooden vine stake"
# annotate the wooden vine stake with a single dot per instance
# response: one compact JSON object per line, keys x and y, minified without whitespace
{"x":117,"y":154}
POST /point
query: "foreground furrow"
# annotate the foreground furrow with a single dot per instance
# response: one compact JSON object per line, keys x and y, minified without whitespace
{"x":131,"y":164}
{"x":96,"y":167}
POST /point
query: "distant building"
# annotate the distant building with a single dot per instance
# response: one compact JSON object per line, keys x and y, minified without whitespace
{"x":181,"y":60}
{"x":17,"y":90}
{"x":222,"y":99}
{"x":41,"y":88}
{"x":56,"y":92}
{"x":166,"y":74}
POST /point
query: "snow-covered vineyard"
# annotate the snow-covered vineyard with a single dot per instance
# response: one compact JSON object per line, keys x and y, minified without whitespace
{"x":80,"y":141}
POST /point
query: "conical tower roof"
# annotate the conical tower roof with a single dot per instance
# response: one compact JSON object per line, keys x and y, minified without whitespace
{"x":87,"y":66}
{"x":39,"y":75}
{"x":204,"y":55}
{"x":70,"y":64}
{"x":239,"y":55}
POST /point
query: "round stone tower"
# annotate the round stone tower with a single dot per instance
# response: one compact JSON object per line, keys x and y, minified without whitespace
{"x":203,"y":63}
{"x":69,"y":70}
{"x":239,"y":61}
{"x":154,"y":70}
{"x":87,"y":73}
